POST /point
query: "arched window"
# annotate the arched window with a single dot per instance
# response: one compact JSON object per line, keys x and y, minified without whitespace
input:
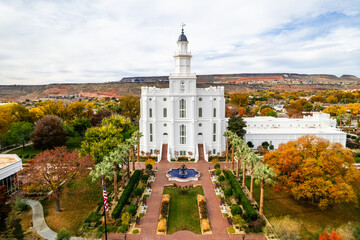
{"x":182,"y":134}
{"x":150,"y":112}
{"x":164,"y":112}
{"x":200,"y":112}
{"x":214,"y":132}
{"x":214,"y":112}
{"x":182,"y":108}
{"x":151,"y":132}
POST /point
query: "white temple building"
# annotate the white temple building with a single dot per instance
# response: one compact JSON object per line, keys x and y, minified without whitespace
{"x":182,"y":120}
{"x":276,"y":131}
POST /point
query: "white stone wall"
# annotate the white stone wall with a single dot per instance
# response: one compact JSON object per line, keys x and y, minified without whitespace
{"x":276,"y":131}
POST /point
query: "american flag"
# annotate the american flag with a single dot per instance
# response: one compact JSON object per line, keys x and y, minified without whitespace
{"x":105,"y":198}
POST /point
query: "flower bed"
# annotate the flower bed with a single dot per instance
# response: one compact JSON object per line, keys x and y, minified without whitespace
{"x":164,"y":212}
{"x":204,"y":220}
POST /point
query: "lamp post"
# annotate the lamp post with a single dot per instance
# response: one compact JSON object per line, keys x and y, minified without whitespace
{"x":243,"y":237}
{"x":124,"y":236}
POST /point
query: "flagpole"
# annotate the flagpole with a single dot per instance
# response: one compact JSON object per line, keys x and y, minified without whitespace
{"x":104,"y":212}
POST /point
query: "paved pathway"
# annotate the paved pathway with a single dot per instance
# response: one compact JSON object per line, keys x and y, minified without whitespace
{"x":39,"y":222}
{"x":218,"y":223}
{"x":9,"y":150}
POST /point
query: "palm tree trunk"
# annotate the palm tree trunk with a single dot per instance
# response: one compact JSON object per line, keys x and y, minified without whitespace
{"x":357,"y":125}
{"x":138,"y":152}
{"x":227,"y":150}
{"x":252,"y":187}
{"x":115,"y":184}
{"x":349,"y":124}
{"x":128,"y":167}
{"x":261,"y":197}
{"x":232,"y":158}
{"x":133,"y":158}
{"x":238,"y":168}
{"x":122,"y":176}
{"x":244,"y":176}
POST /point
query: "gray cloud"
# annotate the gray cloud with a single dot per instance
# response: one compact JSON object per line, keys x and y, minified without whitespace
{"x":100,"y":41}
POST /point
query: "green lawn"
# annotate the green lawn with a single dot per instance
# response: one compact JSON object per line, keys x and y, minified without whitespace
{"x":29,"y":152}
{"x":184,"y":212}
{"x":313,"y":219}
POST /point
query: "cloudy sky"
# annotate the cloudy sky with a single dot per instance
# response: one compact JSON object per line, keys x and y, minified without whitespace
{"x":69,"y":41}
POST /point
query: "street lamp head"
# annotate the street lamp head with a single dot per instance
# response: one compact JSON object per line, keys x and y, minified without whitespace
{"x":243,"y":237}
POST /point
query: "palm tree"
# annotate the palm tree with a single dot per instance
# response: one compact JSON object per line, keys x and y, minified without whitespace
{"x":133,"y":141}
{"x":263,"y":174}
{"x":340,"y":117}
{"x":116,"y":158}
{"x":232,"y":139}
{"x":227,"y":134}
{"x":243,"y":153}
{"x":137,"y":135}
{"x":253,"y":160}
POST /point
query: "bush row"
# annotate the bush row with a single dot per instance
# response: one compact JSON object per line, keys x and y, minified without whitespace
{"x":126,"y":194}
{"x":239,"y":194}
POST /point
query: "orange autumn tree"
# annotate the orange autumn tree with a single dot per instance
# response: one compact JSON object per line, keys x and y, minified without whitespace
{"x":316,"y":170}
{"x":54,"y":168}
{"x":333,"y":236}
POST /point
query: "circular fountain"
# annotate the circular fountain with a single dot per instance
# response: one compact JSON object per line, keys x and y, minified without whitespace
{"x":183,"y":174}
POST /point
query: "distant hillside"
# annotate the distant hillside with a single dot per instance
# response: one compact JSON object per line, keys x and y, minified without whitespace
{"x":231,"y":82}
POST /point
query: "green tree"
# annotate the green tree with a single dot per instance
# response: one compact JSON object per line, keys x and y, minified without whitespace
{"x":19,"y":133}
{"x":130,"y":106}
{"x":253,"y":159}
{"x":237,"y":125}
{"x":263,"y":173}
{"x":49,"y":133}
{"x":80,"y":125}
{"x":100,"y":141}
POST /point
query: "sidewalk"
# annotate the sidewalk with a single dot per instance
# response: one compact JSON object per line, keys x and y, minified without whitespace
{"x":39,"y":222}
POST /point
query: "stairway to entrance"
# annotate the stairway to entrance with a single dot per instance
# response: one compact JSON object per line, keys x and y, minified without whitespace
{"x":164,"y":153}
{"x":201,"y":153}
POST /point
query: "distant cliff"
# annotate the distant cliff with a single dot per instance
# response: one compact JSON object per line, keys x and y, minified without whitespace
{"x":231,"y":82}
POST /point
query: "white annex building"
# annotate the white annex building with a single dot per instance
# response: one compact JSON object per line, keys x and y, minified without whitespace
{"x":182,"y":120}
{"x":276,"y":131}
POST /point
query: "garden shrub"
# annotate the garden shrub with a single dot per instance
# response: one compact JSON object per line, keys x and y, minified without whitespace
{"x":150,"y":161}
{"x":164,"y":209}
{"x":271,"y":147}
{"x":125,"y":218}
{"x":218,"y":172}
{"x":236,"y":210}
{"x":353,"y":137}
{"x":228,"y":192}
{"x":240,"y":195}
{"x":123,"y":228}
{"x":141,"y":215}
{"x":131,"y":209}
{"x":138,"y":192}
{"x":145,"y":177}
{"x":18,"y":232}
{"x":93,"y":217}
{"x":217,"y":166}
{"x":203,"y":209}
{"x":149,"y":166}
{"x":221,"y":178}
{"x":231,"y":230}
{"x":63,"y":235}
{"x":126,"y":194}
{"x":356,"y":232}
{"x":135,"y":231}
{"x":256,"y":226}
{"x":21,"y":205}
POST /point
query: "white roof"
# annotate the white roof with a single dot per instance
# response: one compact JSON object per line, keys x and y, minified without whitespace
{"x":9,"y":164}
{"x":288,"y":131}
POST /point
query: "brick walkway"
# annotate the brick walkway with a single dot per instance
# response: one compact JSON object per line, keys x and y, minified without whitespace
{"x":218,"y":223}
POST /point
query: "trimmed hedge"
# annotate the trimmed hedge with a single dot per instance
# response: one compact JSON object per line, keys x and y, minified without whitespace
{"x":126,"y":194}
{"x":239,"y":194}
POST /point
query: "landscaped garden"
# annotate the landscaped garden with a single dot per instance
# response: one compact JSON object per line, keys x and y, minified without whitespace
{"x":183,"y":210}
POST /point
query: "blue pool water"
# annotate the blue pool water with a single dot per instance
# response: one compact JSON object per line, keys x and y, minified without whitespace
{"x":189,"y":173}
